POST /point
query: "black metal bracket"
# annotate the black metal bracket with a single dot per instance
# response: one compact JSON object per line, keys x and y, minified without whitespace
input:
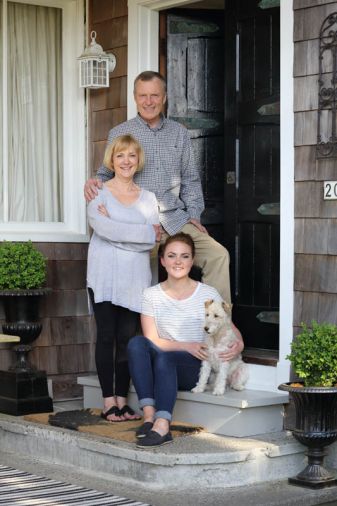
{"x":327,"y":89}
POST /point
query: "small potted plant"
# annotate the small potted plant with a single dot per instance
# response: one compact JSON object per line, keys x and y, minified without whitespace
{"x":23,"y":388}
{"x":314,"y":361}
{"x":22,"y":277}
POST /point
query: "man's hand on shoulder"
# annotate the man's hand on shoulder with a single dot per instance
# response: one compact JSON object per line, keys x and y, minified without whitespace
{"x":198,"y":225}
{"x":90,"y":188}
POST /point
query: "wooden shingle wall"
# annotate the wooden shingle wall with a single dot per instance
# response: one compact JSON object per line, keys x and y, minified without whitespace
{"x":108,"y":105}
{"x":315,"y":281}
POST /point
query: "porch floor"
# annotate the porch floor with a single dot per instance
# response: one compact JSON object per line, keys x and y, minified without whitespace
{"x":202,"y":469}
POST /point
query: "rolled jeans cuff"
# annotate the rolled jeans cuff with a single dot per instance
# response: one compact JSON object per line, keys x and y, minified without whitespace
{"x":163,"y":414}
{"x":146,"y":402}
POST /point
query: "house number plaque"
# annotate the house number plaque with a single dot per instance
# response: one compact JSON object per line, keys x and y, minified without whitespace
{"x":330,"y":190}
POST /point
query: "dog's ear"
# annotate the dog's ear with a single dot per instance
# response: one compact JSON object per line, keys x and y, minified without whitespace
{"x":208,"y":302}
{"x":227,"y":307}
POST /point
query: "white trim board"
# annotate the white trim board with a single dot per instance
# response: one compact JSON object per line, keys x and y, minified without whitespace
{"x":143,"y":50}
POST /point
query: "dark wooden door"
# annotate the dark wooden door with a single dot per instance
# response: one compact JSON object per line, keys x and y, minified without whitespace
{"x":223,"y":85}
{"x":195,"y":76}
{"x":252,"y":160}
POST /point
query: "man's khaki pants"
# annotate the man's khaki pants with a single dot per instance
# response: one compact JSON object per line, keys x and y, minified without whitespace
{"x":210,"y":256}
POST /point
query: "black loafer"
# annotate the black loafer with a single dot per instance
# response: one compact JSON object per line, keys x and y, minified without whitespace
{"x":153,"y":440}
{"x":144,"y":429}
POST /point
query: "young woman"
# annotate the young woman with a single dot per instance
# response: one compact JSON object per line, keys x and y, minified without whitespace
{"x":168,"y":357}
{"x":126,"y":226}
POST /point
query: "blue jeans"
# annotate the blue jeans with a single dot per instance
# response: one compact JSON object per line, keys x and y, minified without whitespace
{"x":157,"y":375}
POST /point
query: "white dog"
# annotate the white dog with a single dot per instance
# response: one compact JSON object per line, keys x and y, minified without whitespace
{"x":220,"y":335}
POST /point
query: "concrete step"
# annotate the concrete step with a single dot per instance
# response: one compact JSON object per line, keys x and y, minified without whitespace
{"x":207,"y":459}
{"x":272,"y":493}
{"x":236,"y":414}
{"x":195,"y":470}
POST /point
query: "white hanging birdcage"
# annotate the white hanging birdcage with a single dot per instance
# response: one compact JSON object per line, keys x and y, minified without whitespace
{"x":95,"y":65}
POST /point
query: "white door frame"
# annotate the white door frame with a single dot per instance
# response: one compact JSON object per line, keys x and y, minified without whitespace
{"x":143,"y":51}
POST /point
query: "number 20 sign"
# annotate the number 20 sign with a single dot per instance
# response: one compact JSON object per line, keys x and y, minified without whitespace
{"x":330,"y":190}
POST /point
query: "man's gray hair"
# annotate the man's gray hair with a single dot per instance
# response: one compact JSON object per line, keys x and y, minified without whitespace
{"x":149,"y":75}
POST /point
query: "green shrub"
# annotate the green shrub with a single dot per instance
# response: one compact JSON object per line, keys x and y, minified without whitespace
{"x":22,"y":266}
{"x":314,"y":354}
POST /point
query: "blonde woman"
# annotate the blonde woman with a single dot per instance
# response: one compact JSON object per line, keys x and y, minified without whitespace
{"x":125,"y":224}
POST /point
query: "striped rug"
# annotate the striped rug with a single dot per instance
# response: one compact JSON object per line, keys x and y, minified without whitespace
{"x":18,"y":488}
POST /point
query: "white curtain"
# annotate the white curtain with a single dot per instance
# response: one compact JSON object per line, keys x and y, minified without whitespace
{"x":34,"y":76}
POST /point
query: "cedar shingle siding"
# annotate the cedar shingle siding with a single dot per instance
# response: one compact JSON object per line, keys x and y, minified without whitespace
{"x":315,"y":282}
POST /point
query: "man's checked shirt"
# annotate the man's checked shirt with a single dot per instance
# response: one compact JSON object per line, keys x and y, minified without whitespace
{"x":170,"y":171}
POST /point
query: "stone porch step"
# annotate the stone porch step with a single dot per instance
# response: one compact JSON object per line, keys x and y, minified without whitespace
{"x":196,"y":470}
{"x":202,"y":462}
{"x":270,"y":493}
{"x":204,"y":458}
{"x":236,"y":414}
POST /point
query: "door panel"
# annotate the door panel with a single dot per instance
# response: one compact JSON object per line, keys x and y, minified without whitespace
{"x":252,"y":125}
{"x":205,"y":92}
{"x":195,"y":64}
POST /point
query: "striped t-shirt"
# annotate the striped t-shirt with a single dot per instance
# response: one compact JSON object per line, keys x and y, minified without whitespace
{"x":178,"y":320}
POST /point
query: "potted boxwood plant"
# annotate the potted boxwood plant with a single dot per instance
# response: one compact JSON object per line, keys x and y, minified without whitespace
{"x":22,"y":277}
{"x":314,"y":361}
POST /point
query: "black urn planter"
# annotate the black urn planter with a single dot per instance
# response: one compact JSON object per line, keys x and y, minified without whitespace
{"x":21,"y":308}
{"x":316,"y":428}
{"x":23,"y":388}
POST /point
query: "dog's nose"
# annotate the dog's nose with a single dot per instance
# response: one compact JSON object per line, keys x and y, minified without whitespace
{"x":206,"y":328}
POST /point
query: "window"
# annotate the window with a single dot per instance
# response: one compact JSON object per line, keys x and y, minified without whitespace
{"x":42,"y":148}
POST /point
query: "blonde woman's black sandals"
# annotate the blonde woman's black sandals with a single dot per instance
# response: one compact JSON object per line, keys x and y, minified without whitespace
{"x":115,"y":411}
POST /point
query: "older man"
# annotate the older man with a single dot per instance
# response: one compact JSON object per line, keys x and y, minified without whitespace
{"x":170,"y":172}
